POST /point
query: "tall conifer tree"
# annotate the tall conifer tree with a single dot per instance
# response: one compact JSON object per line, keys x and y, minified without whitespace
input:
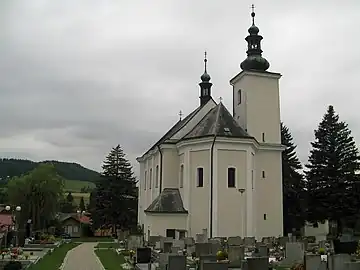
{"x":293,"y":184}
{"x":115,"y":195}
{"x":332,"y":182}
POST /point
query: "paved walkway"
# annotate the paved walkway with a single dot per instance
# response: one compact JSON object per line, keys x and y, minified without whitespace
{"x":83,"y":258}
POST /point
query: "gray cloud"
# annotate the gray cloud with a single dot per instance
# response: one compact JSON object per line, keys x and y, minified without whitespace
{"x":78,"y":77}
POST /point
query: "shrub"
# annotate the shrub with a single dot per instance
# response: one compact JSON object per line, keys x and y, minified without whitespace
{"x":321,"y":251}
{"x":221,"y":255}
{"x":13,"y":265}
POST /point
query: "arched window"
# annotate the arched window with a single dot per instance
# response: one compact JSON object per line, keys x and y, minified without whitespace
{"x":239,"y":96}
{"x":231,"y":177}
{"x":150,"y":178}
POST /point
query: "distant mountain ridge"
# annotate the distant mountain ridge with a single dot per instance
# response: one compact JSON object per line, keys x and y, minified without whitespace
{"x":10,"y":167}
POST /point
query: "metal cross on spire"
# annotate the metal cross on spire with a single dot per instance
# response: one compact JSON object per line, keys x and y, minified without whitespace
{"x":205,"y":61}
{"x":180,"y":114}
{"x":220,"y":99}
{"x":253,"y":13}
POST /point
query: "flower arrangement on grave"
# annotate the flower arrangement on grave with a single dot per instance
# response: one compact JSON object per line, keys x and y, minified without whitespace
{"x":321,"y":251}
{"x":132,"y":253}
{"x":358,"y":249}
{"x":26,"y":256}
{"x":221,"y":255}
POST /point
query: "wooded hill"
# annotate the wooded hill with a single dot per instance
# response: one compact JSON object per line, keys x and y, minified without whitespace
{"x":71,"y":171}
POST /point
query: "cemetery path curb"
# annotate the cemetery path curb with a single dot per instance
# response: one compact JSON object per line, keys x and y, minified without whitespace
{"x":98,"y":260}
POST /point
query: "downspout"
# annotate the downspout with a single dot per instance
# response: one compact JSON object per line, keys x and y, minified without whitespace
{"x":161,"y":162}
{"x":211,"y":185}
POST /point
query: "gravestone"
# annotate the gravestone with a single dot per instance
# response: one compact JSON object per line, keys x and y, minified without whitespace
{"x":153,"y":240}
{"x":163,"y":260}
{"x":134,"y":242}
{"x":258,"y":263}
{"x":143,"y":255}
{"x":236,"y":253}
{"x":200,"y":238}
{"x":177,"y":262}
{"x":175,"y":250}
{"x":235,"y":241}
{"x":337,"y":261}
{"x":294,"y":252}
{"x":202,"y":249}
{"x":314,"y":262}
{"x":179,"y":243}
{"x":189,"y":241}
{"x":263,"y":251}
{"x":164,"y":240}
{"x":249,"y":241}
{"x":167,"y":247}
{"x":214,"y":266}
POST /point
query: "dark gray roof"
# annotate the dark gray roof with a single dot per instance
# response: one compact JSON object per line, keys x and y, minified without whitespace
{"x":169,"y":201}
{"x":172,"y":131}
{"x":218,"y":121}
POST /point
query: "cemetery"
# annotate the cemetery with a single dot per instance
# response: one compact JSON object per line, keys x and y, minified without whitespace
{"x":221,"y":253}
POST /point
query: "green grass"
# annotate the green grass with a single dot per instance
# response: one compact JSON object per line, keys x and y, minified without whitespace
{"x":76,"y":185}
{"x":107,"y":245}
{"x":54,"y":260}
{"x":110,"y":259}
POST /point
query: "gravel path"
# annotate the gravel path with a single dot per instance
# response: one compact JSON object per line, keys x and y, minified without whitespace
{"x":83,"y":257}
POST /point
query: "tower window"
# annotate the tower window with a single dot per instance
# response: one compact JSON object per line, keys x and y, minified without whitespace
{"x":145,"y":176}
{"x":231,"y":177}
{"x":157,"y":176}
{"x":239,"y":96}
{"x":150,"y":178}
{"x":181,"y":176}
{"x":265,"y":217}
{"x":200,"y":177}
{"x":263,"y":136}
{"x":263,"y":174}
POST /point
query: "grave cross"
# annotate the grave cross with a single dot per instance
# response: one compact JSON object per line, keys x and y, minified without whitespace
{"x":180,"y":114}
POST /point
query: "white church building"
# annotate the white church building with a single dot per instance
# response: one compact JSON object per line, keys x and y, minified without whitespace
{"x":219,"y":171}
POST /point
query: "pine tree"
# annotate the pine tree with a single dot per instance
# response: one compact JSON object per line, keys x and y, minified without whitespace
{"x":293,"y":184}
{"x":116,"y":193}
{"x":332,"y":183}
{"x":82,"y":204}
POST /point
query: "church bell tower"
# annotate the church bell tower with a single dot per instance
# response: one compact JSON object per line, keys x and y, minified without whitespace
{"x":205,"y":85}
{"x":256,"y":104}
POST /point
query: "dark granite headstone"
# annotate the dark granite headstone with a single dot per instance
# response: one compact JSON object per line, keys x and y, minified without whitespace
{"x":143,"y":255}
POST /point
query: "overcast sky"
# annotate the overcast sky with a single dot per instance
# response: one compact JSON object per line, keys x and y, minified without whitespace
{"x":79,"y":77}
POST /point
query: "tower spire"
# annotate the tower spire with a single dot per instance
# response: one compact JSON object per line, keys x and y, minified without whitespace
{"x":205,"y":84}
{"x":254,"y":60}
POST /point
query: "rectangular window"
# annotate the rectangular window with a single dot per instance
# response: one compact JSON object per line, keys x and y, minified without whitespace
{"x":239,"y":97}
{"x":157,"y":176}
{"x":150,"y":179}
{"x":75,"y":229}
{"x":263,"y":174}
{"x":231,"y":177}
{"x":264,"y":216}
{"x":263,"y":137}
{"x":181,"y":176}
{"x":145,"y":176}
{"x":200,"y":177}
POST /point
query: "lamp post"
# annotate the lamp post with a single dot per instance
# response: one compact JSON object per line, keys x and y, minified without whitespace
{"x":80,"y":213}
{"x":242,"y":190}
{"x":13,"y":210}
